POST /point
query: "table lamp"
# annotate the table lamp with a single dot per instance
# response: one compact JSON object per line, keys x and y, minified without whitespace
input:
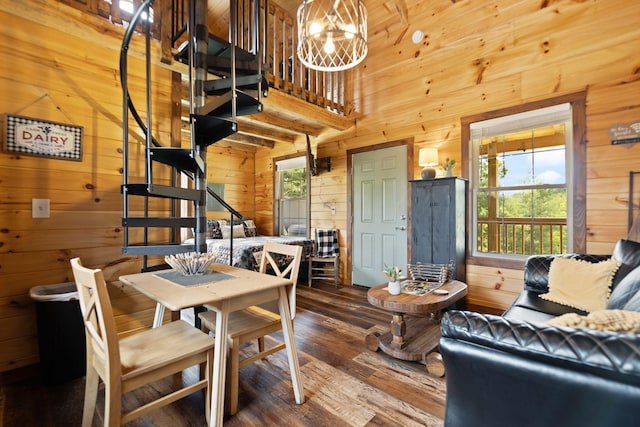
{"x":428,"y":157}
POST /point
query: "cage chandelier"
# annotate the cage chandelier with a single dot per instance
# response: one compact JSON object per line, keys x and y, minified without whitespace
{"x":332,"y":34}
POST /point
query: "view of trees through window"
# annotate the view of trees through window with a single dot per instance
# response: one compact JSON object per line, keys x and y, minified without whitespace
{"x":521,"y":190}
{"x":294,"y":183}
{"x":291,"y":194}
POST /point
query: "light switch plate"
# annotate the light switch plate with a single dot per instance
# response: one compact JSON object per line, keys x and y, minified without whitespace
{"x":39,"y":208}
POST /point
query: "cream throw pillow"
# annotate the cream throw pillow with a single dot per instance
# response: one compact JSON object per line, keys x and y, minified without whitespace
{"x":238,"y":231}
{"x":581,"y":284}
{"x":602,"y":320}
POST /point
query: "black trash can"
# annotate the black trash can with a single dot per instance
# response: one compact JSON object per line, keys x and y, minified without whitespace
{"x":61,"y":335}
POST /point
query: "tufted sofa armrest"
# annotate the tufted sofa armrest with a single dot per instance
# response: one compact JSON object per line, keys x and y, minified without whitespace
{"x":611,"y":355}
{"x":536,"y":269}
{"x":505,"y":373}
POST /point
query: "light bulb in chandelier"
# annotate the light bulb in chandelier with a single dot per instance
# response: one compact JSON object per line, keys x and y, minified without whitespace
{"x":315,"y":29}
{"x":349,"y":31}
{"x":329,"y":47}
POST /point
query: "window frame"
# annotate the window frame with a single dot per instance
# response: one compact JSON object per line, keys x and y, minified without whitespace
{"x":276,"y":190}
{"x":576,"y":214}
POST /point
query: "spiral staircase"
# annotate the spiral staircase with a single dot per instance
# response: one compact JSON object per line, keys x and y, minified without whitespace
{"x":224,"y":82}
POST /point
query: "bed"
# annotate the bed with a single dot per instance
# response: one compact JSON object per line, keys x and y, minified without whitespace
{"x":246,"y":250}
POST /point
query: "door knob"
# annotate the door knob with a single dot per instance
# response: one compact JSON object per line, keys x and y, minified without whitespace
{"x":401,"y":228}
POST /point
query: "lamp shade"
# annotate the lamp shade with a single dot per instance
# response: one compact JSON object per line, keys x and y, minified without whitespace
{"x":428,"y":157}
{"x":332,"y":34}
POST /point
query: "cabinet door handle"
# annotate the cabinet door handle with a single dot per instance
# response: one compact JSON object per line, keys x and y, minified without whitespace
{"x":401,"y":228}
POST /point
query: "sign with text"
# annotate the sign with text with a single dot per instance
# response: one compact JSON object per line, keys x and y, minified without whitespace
{"x":622,"y":133}
{"x":42,"y":138}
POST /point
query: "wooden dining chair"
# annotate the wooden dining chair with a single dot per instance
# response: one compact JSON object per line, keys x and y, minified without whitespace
{"x":257,"y":321}
{"x":125,"y":364}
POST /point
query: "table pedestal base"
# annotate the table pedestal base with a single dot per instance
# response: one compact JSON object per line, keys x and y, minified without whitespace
{"x":412,"y":340}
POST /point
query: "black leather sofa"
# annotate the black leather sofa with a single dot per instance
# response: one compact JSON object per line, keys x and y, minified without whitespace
{"x":515,"y":370}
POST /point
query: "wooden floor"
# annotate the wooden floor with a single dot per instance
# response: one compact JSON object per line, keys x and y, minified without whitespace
{"x":345,"y":384}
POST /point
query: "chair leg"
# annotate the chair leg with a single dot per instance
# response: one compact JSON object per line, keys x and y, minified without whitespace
{"x":260,"y":344}
{"x":234,"y":367}
{"x":203,"y":366}
{"x":208,"y":371}
{"x":309,"y":272}
{"x":92,"y":380}
{"x":112,"y":404}
{"x":336,"y":272}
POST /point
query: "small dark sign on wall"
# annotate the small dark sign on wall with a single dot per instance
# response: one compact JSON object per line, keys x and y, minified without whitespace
{"x":622,"y":133}
{"x":42,"y":138}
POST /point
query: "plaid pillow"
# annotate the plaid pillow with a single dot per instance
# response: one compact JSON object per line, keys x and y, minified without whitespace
{"x":327,"y":241}
{"x":250,"y":229}
{"x":214,"y":230}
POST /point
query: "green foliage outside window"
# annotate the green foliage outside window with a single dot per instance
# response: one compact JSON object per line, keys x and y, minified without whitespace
{"x":294,"y":183}
{"x":527,"y":221}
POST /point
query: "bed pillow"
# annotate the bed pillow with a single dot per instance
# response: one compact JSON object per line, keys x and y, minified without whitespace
{"x":213,"y":229}
{"x":238,"y":231}
{"x":250,"y":229}
{"x":581,"y":284}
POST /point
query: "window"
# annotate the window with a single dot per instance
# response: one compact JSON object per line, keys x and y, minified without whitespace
{"x":291,"y":197}
{"x":128,"y":7}
{"x":520,"y":170}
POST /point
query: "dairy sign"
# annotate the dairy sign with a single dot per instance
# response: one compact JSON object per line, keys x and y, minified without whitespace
{"x":43,"y":138}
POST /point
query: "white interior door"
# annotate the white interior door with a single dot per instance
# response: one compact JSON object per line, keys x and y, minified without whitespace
{"x":379,"y":214}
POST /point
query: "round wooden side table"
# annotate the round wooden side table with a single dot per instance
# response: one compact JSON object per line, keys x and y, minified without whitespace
{"x":414,"y":339}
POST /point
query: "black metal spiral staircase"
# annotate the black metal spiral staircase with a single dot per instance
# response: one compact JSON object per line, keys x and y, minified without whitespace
{"x":235,"y":88}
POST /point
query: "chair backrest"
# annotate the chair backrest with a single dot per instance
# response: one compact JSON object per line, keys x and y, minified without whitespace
{"x":284,"y":260}
{"x":327,"y":243}
{"x":103,"y":350}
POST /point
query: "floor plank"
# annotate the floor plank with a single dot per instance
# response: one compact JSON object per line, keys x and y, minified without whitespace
{"x":345,"y":384}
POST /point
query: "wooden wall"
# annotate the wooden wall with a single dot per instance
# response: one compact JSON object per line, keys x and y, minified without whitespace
{"x":482,"y":56}
{"x":61,"y":65}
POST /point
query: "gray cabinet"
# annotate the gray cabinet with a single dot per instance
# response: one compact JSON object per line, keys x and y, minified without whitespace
{"x":438,"y":222}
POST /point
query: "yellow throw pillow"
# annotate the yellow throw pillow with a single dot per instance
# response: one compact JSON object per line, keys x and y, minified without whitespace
{"x":602,"y":320}
{"x":581,"y":284}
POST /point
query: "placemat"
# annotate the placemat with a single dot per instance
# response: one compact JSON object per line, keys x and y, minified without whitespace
{"x":175,"y":277}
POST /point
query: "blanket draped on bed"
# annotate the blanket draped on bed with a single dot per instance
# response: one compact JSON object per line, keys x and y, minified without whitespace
{"x":248,"y":250}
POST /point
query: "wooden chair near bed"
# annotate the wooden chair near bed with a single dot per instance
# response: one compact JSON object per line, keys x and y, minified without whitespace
{"x":324,"y":263}
{"x":257,"y":321}
{"x":125,"y":364}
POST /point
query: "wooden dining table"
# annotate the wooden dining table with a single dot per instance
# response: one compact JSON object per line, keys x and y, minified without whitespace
{"x":224,"y":289}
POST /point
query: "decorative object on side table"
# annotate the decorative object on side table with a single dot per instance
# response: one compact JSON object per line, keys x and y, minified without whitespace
{"x":393,"y":274}
{"x":448,"y":166}
{"x":190,"y":263}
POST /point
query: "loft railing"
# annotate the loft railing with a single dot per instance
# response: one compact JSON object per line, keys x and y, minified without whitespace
{"x":522,"y":236}
{"x":284,"y":71}
{"x":277,"y":37}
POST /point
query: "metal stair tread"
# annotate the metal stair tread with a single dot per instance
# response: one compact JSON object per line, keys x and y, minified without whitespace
{"x":248,"y":84}
{"x":180,"y":158}
{"x":165,"y":191}
{"x":210,"y":129}
{"x":171,"y":221}
{"x":219,"y":57}
{"x":220,"y":106}
{"x":160,"y":249}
